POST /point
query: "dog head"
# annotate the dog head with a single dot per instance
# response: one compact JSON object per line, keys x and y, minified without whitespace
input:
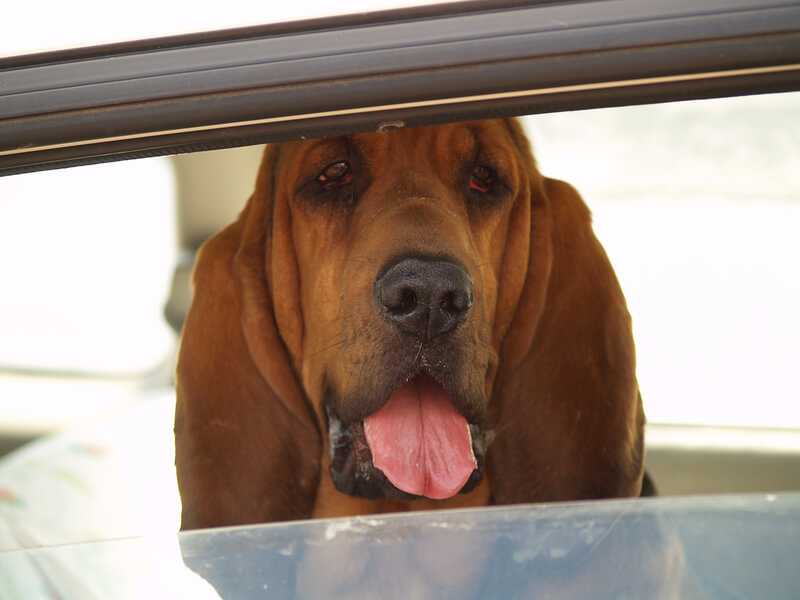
{"x":392,"y":292}
{"x":395,"y":247}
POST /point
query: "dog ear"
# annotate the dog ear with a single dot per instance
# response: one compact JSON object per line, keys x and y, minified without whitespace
{"x":565,"y":407}
{"x":247,"y":448}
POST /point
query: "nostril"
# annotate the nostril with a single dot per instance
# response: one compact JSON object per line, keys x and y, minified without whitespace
{"x":456,"y":301}
{"x":397,"y":295}
{"x":448,"y":302}
{"x":406,"y":303}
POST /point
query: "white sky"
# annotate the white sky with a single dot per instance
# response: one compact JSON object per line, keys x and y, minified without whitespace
{"x":40,"y":25}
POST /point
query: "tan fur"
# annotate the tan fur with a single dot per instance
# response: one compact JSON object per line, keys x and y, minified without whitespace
{"x":284,"y":310}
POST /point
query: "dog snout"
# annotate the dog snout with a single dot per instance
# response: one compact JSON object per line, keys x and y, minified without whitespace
{"x":425,"y":297}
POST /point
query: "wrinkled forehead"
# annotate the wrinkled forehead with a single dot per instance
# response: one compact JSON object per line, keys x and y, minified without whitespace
{"x":417,"y":145}
{"x":443,"y":148}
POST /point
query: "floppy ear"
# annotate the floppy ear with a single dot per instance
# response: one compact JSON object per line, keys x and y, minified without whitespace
{"x":246,"y":446}
{"x":565,"y":407}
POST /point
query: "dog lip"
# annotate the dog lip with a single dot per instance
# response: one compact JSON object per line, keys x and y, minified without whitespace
{"x":473,"y":416}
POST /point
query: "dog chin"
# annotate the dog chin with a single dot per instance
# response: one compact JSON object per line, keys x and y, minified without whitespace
{"x":351,"y":459}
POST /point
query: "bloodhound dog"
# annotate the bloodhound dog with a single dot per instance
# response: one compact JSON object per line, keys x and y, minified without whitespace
{"x":408,"y":319}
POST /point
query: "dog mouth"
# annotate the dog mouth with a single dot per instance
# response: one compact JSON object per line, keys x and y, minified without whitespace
{"x":417,"y":444}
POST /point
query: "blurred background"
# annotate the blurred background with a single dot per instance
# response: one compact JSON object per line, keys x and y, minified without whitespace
{"x":697,"y":204}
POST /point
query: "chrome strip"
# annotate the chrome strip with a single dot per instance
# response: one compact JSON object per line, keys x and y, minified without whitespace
{"x":424,"y":103}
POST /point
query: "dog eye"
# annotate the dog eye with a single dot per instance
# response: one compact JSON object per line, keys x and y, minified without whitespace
{"x":335,"y":175}
{"x":482,"y":179}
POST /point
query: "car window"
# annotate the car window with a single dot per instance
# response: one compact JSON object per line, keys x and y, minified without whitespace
{"x":698,"y":205}
{"x":86,"y":263}
{"x":695,"y":202}
{"x":86,"y":257}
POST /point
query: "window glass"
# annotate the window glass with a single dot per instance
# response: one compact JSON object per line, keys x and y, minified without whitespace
{"x":698,"y":206}
{"x":86,"y":259}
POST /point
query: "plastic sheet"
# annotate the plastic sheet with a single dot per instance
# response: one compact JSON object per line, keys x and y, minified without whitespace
{"x":703,"y":547}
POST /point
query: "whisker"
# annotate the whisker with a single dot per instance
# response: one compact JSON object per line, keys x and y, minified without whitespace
{"x":488,"y":263}
{"x":499,"y":429}
{"x":419,"y":351}
{"x":339,"y":342}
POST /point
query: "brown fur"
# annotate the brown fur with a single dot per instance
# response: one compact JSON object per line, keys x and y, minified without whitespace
{"x":284,"y":313}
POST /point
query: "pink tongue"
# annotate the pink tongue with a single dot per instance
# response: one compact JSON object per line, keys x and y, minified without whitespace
{"x":420,"y":442}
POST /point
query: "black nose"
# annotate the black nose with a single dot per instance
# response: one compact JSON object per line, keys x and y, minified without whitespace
{"x":424,"y":297}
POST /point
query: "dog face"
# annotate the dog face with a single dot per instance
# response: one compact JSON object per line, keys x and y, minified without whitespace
{"x":398,"y":317}
{"x":399,"y":242}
